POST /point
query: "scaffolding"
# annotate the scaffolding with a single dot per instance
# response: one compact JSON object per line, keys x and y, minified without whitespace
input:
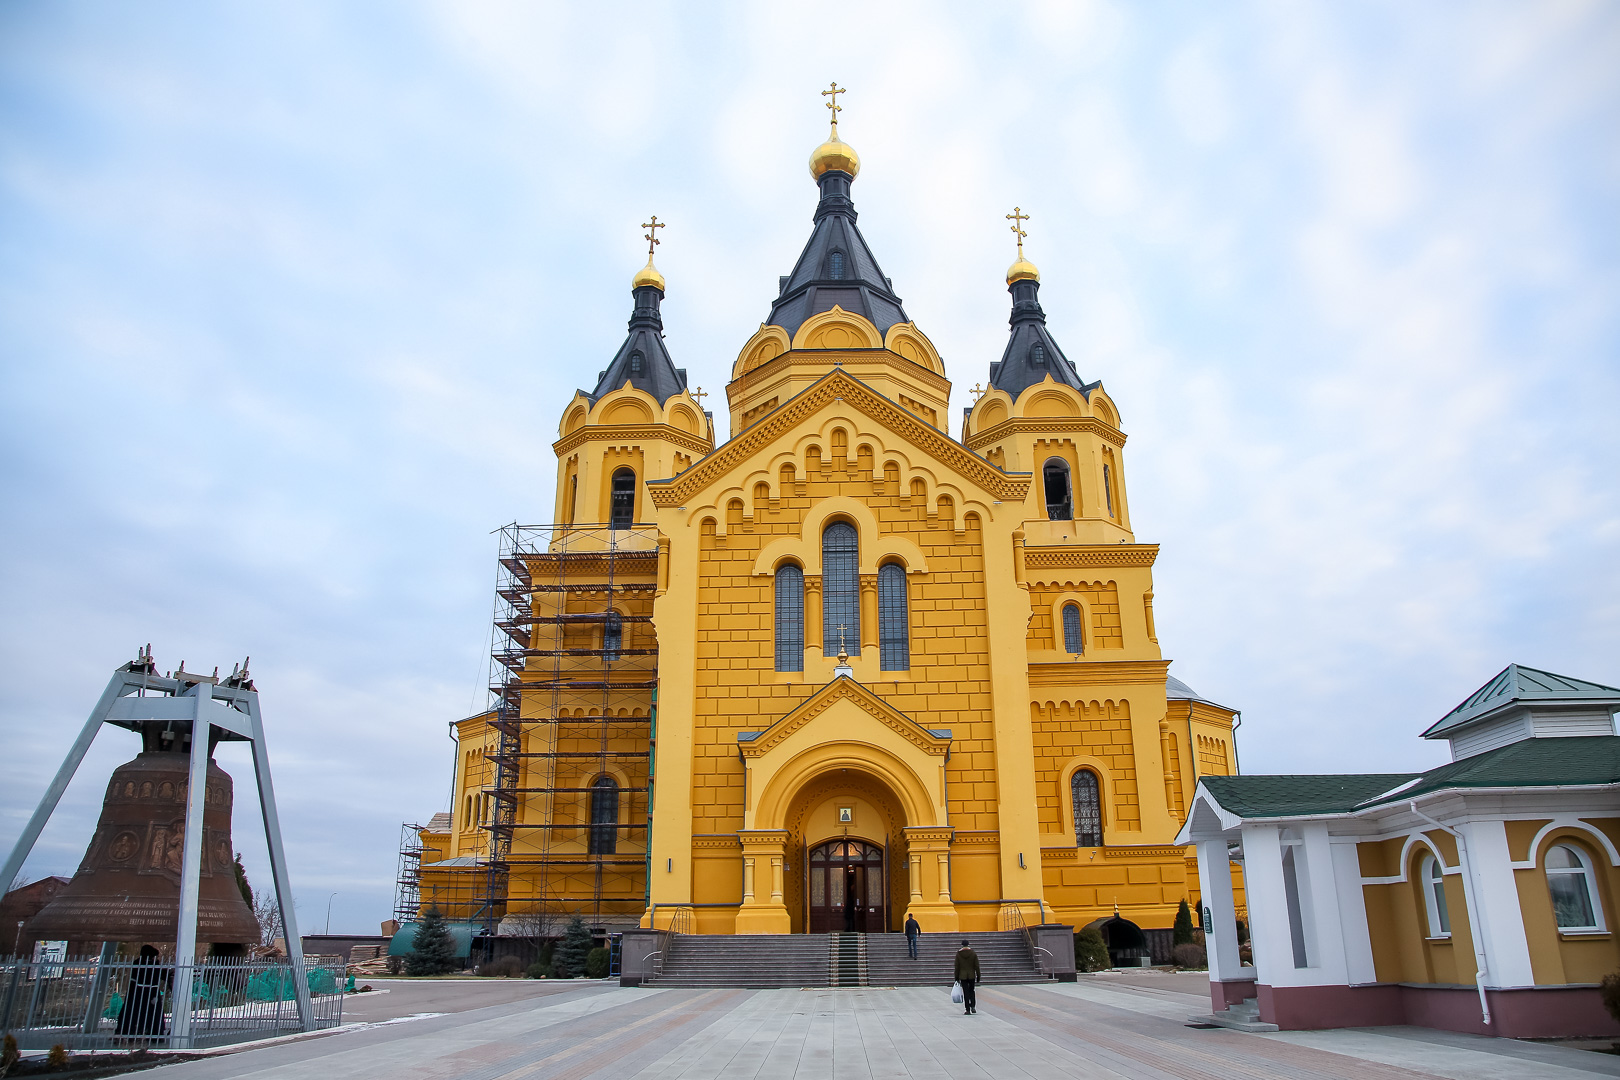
{"x":408,"y":881}
{"x":574,"y":678}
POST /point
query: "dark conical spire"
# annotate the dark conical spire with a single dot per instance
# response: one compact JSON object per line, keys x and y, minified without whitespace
{"x":643,"y":360}
{"x":836,"y":267}
{"x":1031,"y":354}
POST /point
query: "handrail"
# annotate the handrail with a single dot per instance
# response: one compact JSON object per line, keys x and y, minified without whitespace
{"x":1012,"y":918}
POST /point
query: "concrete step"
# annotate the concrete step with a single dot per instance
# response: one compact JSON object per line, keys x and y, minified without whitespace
{"x":760,"y":961}
{"x":1244,"y":1016}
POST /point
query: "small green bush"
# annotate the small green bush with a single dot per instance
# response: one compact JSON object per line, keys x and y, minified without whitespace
{"x":1090,"y":951}
{"x":540,"y":969}
{"x":57,"y":1058}
{"x":9,"y":1052}
{"x":1189,"y":956}
{"x":505,"y":967}
{"x":569,"y":960}
{"x":596,"y":963}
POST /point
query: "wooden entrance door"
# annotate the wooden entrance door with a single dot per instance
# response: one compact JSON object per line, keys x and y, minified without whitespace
{"x":847,"y":891}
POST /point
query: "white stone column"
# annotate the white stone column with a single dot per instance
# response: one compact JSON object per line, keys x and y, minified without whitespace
{"x":1357,"y":937}
{"x":1268,"y":908}
{"x":1496,"y":895}
{"x":1319,"y":894}
{"x":1215,"y":885}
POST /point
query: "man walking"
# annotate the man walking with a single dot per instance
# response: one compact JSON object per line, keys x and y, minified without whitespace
{"x":967,"y":973}
{"x":912,"y":930}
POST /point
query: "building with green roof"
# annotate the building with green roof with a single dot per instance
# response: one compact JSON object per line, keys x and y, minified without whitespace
{"x":1478,"y":896}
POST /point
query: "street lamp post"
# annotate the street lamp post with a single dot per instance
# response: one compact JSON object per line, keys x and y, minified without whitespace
{"x":329,"y":913}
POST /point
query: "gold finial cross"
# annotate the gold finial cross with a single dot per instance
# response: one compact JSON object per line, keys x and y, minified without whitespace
{"x":698,"y":395}
{"x":1018,"y":217}
{"x":652,"y":228}
{"x":843,"y":649}
{"x":832,"y":103}
{"x":979,"y":391}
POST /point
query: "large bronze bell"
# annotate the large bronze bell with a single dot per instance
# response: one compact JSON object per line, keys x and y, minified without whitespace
{"x":128,"y":886}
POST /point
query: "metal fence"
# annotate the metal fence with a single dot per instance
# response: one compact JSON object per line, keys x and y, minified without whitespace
{"x":86,"y":1004}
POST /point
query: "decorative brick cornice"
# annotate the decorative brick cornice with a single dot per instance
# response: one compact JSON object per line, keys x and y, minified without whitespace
{"x":976,"y":839}
{"x":1144,"y":852}
{"x":845,"y":689}
{"x":1082,"y":675}
{"x":632,"y":433}
{"x":727,"y":842}
{"x":832,"y":386}
{"x":1089,"y":556}
{"x":858,"y":358}
{"x":1045,"y":425}
{"x":1060,"y":854}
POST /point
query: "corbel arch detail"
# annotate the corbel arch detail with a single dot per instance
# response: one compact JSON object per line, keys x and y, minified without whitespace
{"x":875,"y":546}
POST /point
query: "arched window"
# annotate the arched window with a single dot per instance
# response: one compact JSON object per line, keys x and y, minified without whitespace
{"x":1074,"y":638}
{"x":789,"y":618}
{"x":635,"y":363}
{"x":835,"y":266}
{"x":612,"y":636}
{"x":1059,"y":500}
{"x":604,"y":816}
{"x":1108,"y":488}
{"x":840,"y":589}
{"x":1432,"y":876}
{"x":1037,"y":355}
{"x":1571,"y":881}
{"x":1087,"y":808}
{"x":894,"y":623}
{"x":624,"y":499}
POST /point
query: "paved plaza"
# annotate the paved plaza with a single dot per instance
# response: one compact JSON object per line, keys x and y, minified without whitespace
{"x":1119,"y":1025}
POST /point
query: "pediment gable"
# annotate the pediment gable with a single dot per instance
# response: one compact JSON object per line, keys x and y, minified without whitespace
{"x":755,"y":744}
{"x":834,"y":386}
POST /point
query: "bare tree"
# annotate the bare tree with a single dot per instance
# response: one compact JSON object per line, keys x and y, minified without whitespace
{"x":268,"y":916}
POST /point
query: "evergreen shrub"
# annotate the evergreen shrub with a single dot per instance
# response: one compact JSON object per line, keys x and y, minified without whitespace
{"x":1090,"y":951}
{"x":1182,"y":933}
{"x":433,"y":952}
{"x":568,"y":962}
{"x":505,"y":967}
{"x":596,"y":963}
{"x":540,"y":969}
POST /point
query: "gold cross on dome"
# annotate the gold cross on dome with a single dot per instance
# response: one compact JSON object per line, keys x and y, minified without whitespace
{"x":832,"y":103}
{"x":979,"y":391}
{"x":1018,"y":217}
{"x":698,"y":395}
{"x":652,"y":228}
{"x":842,"y":647}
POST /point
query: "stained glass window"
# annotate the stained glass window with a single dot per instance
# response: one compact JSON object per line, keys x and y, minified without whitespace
{"x":1074,"y":639}
{"x":789,"y":619}
{"x":604,"y":816}
{"x":840,"y":589}
{"x":1087,"y":809}
{"x":894,"y":624}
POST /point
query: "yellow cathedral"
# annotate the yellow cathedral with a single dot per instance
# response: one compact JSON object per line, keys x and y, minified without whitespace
{"x":836,"y":666}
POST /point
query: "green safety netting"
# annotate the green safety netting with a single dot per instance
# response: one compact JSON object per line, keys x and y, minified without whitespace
{"x":276,"y":984}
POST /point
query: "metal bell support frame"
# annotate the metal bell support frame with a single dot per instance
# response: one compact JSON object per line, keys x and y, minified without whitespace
{"x":187,"y":703}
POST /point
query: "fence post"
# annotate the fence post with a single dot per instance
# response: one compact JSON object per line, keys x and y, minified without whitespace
{"x":98,"y":988}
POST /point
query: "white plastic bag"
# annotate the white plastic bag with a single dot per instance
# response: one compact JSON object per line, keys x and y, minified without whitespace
{"x":956,"y":993}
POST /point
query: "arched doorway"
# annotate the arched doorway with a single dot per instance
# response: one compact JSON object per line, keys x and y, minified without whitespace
{"x":848,"y":887}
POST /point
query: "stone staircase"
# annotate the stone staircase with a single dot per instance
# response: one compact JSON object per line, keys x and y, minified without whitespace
{"x":1003,"y":958}
{"x":1244,"y":1016}
{"x":771,"y":961}
{"x":747,"y":961}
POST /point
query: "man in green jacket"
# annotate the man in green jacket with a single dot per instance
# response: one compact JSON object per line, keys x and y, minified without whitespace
{"x":967,"y":973}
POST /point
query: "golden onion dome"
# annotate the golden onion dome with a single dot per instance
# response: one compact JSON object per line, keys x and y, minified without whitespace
{"x":834,"y":155}
{"x":1022,"y":270}
{"x":647,"y":275}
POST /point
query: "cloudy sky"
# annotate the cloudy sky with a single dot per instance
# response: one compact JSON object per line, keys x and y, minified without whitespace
{"x":291,"y":297}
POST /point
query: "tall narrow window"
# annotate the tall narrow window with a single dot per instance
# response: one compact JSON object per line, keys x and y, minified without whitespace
{"x":1037,"y":355}
{"x":604,"y":816}
{"x":624,"y":499}
{"x":1087,"y":808}
{"x":835,"y":266}
{"x":1569,"y":879}
{"x":1108,"y":488}
{"x":894,"y":623}
{"x":789,"y":618}
{"x":636,"y":363}
{"x":612,"y":636}
{"x":1074,"y":638}
{"x":573,"y":499}
{"x":1059,"y":501}
{"x":840,"y":590}
{"x":1432,"y":876}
